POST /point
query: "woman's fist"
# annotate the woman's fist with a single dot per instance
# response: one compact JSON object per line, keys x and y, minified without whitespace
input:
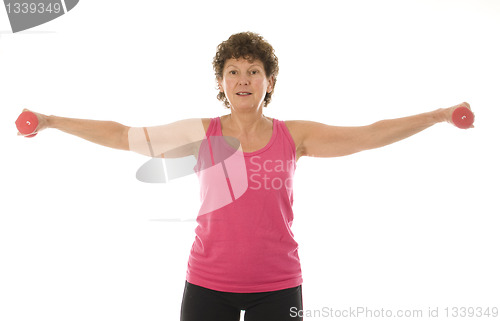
{"x":30,"y":123}
{"x":460,"y":115}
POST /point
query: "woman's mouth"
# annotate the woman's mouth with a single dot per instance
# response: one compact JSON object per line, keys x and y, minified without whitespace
{"x":243,"y":93}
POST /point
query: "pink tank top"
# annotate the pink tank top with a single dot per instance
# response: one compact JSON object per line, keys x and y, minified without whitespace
{"x":244,"y":241}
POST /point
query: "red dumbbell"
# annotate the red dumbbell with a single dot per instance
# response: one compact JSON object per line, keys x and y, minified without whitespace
{"x":26,"y":123}
{"x":462,"y":117}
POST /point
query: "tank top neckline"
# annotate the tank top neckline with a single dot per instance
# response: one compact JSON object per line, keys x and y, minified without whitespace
{"x":259,"y":151}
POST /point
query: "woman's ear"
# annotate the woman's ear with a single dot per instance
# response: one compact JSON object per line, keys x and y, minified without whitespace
{"x":270,"y":86}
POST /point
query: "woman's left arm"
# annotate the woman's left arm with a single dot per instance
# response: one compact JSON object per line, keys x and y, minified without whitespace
{"x":320,"y":140}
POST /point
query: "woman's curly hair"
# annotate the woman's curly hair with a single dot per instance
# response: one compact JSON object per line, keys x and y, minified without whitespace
{"x":250,"y":46}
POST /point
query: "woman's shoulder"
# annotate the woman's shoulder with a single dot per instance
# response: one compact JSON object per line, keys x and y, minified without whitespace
{"x":206,"y":123}
{"x":297,"y":129}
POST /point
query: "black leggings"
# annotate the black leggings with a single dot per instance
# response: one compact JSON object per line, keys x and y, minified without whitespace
{"x":202,"y":304}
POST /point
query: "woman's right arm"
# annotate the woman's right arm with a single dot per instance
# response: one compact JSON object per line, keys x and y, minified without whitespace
{"x":105,"y":133}
{"x":176,"y":139}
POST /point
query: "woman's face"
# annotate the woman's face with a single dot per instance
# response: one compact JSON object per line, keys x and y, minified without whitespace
{"x":245,"y":83}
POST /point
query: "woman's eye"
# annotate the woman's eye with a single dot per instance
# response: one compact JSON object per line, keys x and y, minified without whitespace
{"x":232,"y":72}
{"x":254,"y":72}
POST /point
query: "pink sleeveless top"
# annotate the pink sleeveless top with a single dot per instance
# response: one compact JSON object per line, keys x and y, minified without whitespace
{"x":244,"y":241}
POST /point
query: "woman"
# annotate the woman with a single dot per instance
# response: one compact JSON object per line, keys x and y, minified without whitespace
{"x":244,"y":256}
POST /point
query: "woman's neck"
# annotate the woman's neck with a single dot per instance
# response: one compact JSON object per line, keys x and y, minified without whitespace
{"x":246,"y":123}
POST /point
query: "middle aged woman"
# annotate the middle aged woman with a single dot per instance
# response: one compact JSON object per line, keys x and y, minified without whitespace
{"x":244,"y":256}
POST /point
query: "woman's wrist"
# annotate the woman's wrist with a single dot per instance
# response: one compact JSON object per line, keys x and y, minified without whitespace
{"x":441,"y":115}
{"x":51,"y":121}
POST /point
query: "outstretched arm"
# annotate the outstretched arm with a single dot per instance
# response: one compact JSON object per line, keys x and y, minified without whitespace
{"x":106,"y":133}
{"x":320,"y":140}
{"x":177,"y":139}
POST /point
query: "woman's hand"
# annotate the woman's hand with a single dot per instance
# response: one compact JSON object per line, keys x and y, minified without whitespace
{"x":43,"y":123}
{"x":447,"y":113}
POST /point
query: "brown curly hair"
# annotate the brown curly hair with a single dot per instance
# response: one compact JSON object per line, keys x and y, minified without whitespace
{"x":250,"y":46}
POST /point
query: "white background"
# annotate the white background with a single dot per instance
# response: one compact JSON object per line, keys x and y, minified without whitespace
{"x":412,"y":225}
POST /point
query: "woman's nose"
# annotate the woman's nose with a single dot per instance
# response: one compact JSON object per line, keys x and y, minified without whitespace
{"x":244,"y":80}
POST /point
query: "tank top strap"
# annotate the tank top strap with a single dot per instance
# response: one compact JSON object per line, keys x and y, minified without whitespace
{"x":214,"y":128}
{"x":283,"y":131}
